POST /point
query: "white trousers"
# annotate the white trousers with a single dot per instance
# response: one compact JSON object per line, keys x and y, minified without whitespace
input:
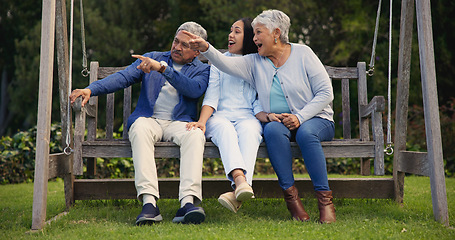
{"x":144,"y":133}
{"x":238,"y":142}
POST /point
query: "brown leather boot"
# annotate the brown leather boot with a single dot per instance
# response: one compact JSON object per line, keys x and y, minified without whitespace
{"x":326,"y":207}
{"x":294,"y":204}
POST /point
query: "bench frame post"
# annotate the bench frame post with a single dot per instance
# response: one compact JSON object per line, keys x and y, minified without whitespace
{"x":429,"y":163}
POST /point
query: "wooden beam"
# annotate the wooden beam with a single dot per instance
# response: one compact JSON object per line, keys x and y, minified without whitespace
{"x":431,"y":111}
{"x":62,"y":66}
{"x":90,"y":110}
{"x":402,"y":101}
{"x":86,"y":189}
{"x":362,"y":100}
{"x":378,"y":137}
{"x":63,"y":76}
{"x":59,"y":165}
{"x":78,"y":138}
{"x":341,"y":73}
{"x":335,"y":72}
{"x":127,"y":93}
{"x":414,"y":162}
{"x":377,"y":104}
{"x":44,"y":114}
{"x":346,"y":108}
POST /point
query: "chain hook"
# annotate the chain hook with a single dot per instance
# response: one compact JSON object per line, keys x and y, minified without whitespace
{"x":68,"y":150}
{"x":389,"y":149}
{"x":85,"y":72}
{"x":370,"y":71}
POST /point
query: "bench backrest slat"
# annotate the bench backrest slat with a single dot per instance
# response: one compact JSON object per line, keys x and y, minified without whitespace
{"x":106,"y":71}
{"x":344,"y":74}
{"x":92,"y":121}
{"x":346,"y":108}
{"x":127,"y":96}
{"x":110,"y":98}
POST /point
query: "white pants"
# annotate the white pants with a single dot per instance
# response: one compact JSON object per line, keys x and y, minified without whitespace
{"x":238,"y":142}
{"x":144,"y":133}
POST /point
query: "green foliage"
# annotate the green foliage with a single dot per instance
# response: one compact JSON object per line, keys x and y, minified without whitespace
{"x":19,"y":25}
{"x":17,"y":154}
{"x":22,"y":106}
{"x":15,"y":158}
{"x":115,"y":168}
{"x":340,"y":32}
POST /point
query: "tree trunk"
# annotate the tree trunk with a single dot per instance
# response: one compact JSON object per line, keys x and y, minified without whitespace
{"x":5,"y":116}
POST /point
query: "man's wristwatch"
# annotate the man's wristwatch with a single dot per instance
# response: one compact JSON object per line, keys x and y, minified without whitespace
{"x":163,"y":67}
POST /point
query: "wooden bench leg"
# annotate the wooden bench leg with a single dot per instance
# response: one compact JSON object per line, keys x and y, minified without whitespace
{"x":91,"y":167}
{"x":68,"y":180}
{"x":365,"y":167}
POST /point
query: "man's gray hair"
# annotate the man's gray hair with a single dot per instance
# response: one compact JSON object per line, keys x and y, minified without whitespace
{"x":273,"y":19}
{"x":193,"y":28}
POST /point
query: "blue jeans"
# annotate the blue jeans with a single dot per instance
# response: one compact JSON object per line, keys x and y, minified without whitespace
{"x":308,"y":136}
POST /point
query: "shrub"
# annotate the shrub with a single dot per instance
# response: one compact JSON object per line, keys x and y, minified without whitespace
{"x":17,"y":154}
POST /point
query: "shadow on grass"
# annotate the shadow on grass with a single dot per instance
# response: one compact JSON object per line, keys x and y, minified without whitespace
{"x":260,"y":209}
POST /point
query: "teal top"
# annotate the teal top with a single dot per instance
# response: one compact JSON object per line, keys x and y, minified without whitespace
{"x":278,"y":102}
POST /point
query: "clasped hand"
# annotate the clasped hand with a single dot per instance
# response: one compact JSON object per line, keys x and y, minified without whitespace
{"x":289,"y":120}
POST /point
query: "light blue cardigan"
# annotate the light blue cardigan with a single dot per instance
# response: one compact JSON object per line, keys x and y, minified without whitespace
{"x":304,"y":80}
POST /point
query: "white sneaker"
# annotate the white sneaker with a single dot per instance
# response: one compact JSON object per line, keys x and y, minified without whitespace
{"x":229,"y":201}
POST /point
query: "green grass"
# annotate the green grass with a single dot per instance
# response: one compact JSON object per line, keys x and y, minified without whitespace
{"x":257,"y":219}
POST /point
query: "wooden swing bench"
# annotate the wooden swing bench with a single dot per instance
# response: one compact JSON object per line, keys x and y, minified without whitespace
{"x":68,"y":165}
{"x":364,"y":148}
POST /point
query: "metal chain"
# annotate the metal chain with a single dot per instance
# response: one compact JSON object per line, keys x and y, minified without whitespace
{"x":68,"y":149}
{"x":373,"y":49}
{"x":389,"y":149}
{"x":85,"y":72}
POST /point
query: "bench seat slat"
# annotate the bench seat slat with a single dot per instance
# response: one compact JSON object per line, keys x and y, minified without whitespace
{"x":122,"y":148}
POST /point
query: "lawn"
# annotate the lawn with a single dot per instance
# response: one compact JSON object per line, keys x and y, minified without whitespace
{"x":257,"y":219}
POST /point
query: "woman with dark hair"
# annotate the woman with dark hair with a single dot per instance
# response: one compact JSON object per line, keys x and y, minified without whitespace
{"x":228,"y":119}
{"x":248,"y":44}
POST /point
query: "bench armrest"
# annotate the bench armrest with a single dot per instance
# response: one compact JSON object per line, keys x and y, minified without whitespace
{"x":89,"y":109}
{"x":374,"y":111}
{"x":377,"y":104}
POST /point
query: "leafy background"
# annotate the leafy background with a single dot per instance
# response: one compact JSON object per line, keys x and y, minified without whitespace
{"x":340,"y":32}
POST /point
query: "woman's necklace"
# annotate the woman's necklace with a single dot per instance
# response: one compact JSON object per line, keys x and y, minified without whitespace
{"x":279,"y":59}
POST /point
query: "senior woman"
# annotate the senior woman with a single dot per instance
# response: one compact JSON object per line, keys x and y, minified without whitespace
{"x":295,"y":92}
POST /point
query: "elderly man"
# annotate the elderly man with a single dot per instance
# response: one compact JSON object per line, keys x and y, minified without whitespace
{"x":172,"y":83}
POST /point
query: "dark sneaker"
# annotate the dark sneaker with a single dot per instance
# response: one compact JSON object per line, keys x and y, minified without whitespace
{"x":149,"y":215}
{"x":189,"y":214}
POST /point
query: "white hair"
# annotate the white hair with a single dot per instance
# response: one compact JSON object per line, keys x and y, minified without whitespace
{"x":273,"y":19}
{"x":193,"y":28}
